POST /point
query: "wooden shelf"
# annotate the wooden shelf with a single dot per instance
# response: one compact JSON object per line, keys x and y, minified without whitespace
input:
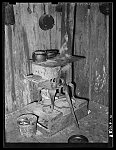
{"x":35,"y":78}
{"x":42,"y":83}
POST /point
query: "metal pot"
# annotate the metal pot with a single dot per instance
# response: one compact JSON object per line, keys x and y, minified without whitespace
{"x":52,"y":53}
{"x":42,"y":55}
{"x":46,"y":22}
{"x":39,"y":55}
{"x":105,"y":8}
{"x":78,"y":139}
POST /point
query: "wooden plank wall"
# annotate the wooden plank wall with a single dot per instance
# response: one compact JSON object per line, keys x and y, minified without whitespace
{"x":91,"y":75}
{"x":26,"y":36}
{"x":21,"y":40}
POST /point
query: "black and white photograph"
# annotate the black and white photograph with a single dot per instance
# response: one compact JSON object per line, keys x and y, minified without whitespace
{"x":57,"y":74}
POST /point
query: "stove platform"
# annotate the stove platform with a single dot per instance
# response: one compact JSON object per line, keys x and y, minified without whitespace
{"x":61,"y":117}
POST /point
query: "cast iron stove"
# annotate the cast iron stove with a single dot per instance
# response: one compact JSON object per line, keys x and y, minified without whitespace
{"x":55,"y":102}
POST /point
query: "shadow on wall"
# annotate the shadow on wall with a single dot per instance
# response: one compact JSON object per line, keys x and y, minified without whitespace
{"x":74,"y":94}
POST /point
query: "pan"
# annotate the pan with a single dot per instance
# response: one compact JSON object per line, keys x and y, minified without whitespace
{"x":46,"y":21}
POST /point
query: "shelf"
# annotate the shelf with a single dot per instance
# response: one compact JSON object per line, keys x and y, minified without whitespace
{"x":42,"y":83}
{"x":35,"y":78}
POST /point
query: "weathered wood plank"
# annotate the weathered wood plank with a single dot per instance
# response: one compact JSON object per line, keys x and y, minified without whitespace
{"x":81,"y":48}
{"x":26,"y":37}
{"x":45,"y":35}
{"x":91,"y":74}
{"x":58,"y":29}
{"x":52,"y":32}
{"x":8,"y":75}
{"x":90,"y":41}
{"x":66,"y":28}
{"x":12,"y":66}
{"x":70,"y":26}
{"x":98,"y":44}
{"x":21,"y":63}
{"x":63,"y":24}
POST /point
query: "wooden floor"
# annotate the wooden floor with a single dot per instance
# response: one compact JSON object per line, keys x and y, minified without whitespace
{"x":94,"y":127}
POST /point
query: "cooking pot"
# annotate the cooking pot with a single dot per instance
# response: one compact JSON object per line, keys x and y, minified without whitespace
{"x":39,"y":55}
{"x":78,"y":139}
{"x":105,"y":8}
{"x":52,"y":53}
{"x":42,"y":55}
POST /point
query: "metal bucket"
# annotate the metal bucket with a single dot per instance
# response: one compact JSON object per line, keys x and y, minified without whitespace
{"x":27,"y":124}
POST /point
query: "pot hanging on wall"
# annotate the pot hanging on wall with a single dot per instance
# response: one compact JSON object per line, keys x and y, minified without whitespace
{"x":9,"y":14}
{"x":46,"y":21}
{"x":105,"y":8}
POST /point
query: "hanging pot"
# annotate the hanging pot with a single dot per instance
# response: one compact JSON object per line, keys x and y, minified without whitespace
{"x":105,"y":8}
{"x":46,"y":21}
{"x":9,"y":14}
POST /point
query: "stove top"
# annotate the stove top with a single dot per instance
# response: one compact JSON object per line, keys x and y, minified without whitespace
{"x":60,"y":60}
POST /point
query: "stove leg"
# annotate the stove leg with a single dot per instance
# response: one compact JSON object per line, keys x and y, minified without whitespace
{"x":72,"y":88}
{"x":59,"y":90}
{"x":52,"y":96}
{"x":40,"y":97}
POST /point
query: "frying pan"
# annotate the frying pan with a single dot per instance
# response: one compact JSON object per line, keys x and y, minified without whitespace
{"x":46,"y":21}
{"x":105,"y":8}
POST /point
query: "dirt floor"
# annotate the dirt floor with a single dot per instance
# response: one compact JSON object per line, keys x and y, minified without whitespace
{"x":94,"y":126}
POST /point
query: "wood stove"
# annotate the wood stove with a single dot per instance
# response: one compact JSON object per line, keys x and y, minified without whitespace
{"x":56,"y":100}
